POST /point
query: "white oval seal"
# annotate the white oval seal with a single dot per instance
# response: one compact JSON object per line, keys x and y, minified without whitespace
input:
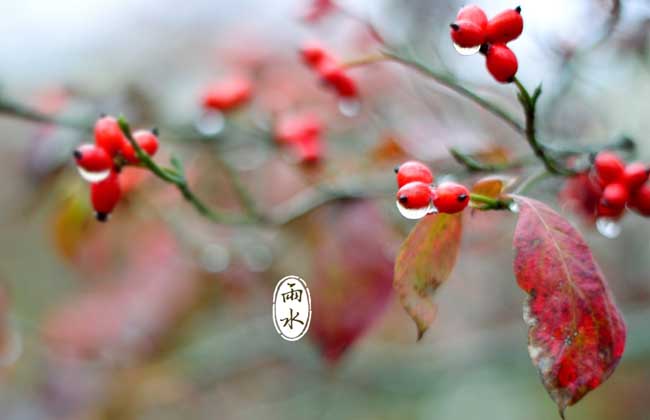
{"x":291,"y":308}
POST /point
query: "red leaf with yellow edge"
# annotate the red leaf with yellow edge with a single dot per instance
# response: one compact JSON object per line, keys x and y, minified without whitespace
{"x":576,"y":333}
{"x":424,"y":262}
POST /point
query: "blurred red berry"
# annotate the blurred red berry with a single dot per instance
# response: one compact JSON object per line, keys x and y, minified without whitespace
{"x":415,"y":195}
{"x":227,"y":94}
{"x":615,"y":196}
{"x":609,"y":167}
{"x":105,"y":195}
{"x":505,"y":27}
{"x":413,"y":171}
{"x":582,"y":194}
{"x":609,"y":212}
{"x":108,"y":135}
{"x":501,"y":63}
{"x":635,"y":175}
{"x":318,"y":9}
{"x":309,"y":149}
{"x":148,"y":142}
{"x":293,"y":128}
{"x":336,"y":77}
{"x":467,"y":34}
{"x":93,"y":158}
{"x":640,"y":200}
{"x":451,"y":197}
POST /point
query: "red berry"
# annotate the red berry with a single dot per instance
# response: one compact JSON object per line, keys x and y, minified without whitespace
{"x":451,"y":197}
{"x":474,"y":14}
{"x":467,"y":34}
{"x":415,"y":195}
{"x":309,"y":149}
{"x":610,"y":212}
{"x":108,"y":135}
{"x":293,"y":128}
{"x":227,"y":94}
{"x":335,"y":76}
{"x":93,"y":158}
{"x":148,"y":142}
{"x":413,"y":171}
{"x":615,"y":196}
{"x":635,"y":175}
{"x":501,"y":63}
{"x":640,"y":200}
{"x":313,"y":54}
{"x":105,"y":195}
{"x":609,"y":167}
{"x":505,"y":27}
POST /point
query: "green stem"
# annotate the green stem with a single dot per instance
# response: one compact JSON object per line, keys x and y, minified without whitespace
{"x":178,"y":179}
{"x":21,"y":111}
{"x":474,"y":165}
{"x":451,"y":83}
{"x":490,"y":203}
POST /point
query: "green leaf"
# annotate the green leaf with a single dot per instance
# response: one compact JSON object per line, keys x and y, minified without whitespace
{"x":425,"y":261}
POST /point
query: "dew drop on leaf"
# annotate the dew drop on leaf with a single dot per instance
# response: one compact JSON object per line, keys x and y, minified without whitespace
{"x":415,"y":214}
{"x":215,"y":258}
{"x":349,"y":107}
{"x":93,"y":177}
{"x":607,"y":227}
{"x":210,"y":123}
{"x":467,"y":51}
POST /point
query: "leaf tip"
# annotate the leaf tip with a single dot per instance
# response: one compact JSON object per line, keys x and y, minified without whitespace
{"x":421,"y":330}
{"x":560,"y":411}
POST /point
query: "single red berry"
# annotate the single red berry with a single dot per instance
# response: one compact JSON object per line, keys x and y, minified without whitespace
{"x":148,"y":142}
{"x":610,"y":212}
{"x":105,"y":195}
{"x":640,"y":200}
{"x":336,"y":77}
{"x":474,"y":14}
{"x":615,"y":195}
{"x":108,"y":135}
{"x":314,"y":54}
{"x":501,"y":63}
{"x":415,"y":195}
{"x":635,"y":175}
{"x":609,"y":167}
{"x":93,"y":158}
{"x":227,"y":94}
{"x":467,"y":34}
{"x":292,"y":128}
{"x":309,"y":149}
{"x":451,"y":197}
{"x":505,"y":27}
{"x":413,"y":171}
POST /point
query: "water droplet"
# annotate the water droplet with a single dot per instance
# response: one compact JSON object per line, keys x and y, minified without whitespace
{"x":93,"y":177}
{"x":415,"y":214}
{"x":349,"y":107}
{"x":607,"y":227}
{"x":215,"y":258}
{"x":513,"y":206}
{"x":257,"y":257}
{"x":210,"y":123}
{"x":467,"y":51}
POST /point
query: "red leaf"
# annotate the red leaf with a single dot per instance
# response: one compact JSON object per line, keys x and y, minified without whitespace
{"x":351,"y":284}
{"x":425,"y":261}
{"x":576,"y":333}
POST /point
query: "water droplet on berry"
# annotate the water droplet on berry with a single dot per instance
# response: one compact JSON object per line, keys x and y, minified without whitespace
{"x":93,"y":177}
{"x":607,"y":227}
{"x":415,"y":214}
{"x":349,"y":107}
{"x":467,"y":51}
{"x":210,"y":123}
{"x":513,"y":207}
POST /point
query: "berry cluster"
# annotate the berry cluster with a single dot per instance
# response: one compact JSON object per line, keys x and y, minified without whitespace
{"x":417,"y":190}
{"x":227,"y":94}
{"x":100,"y":163}
{"x":329,"y":69}
{"x":619,"y":186}
{"x":302,"y":133}
{"x":472,"y":30}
